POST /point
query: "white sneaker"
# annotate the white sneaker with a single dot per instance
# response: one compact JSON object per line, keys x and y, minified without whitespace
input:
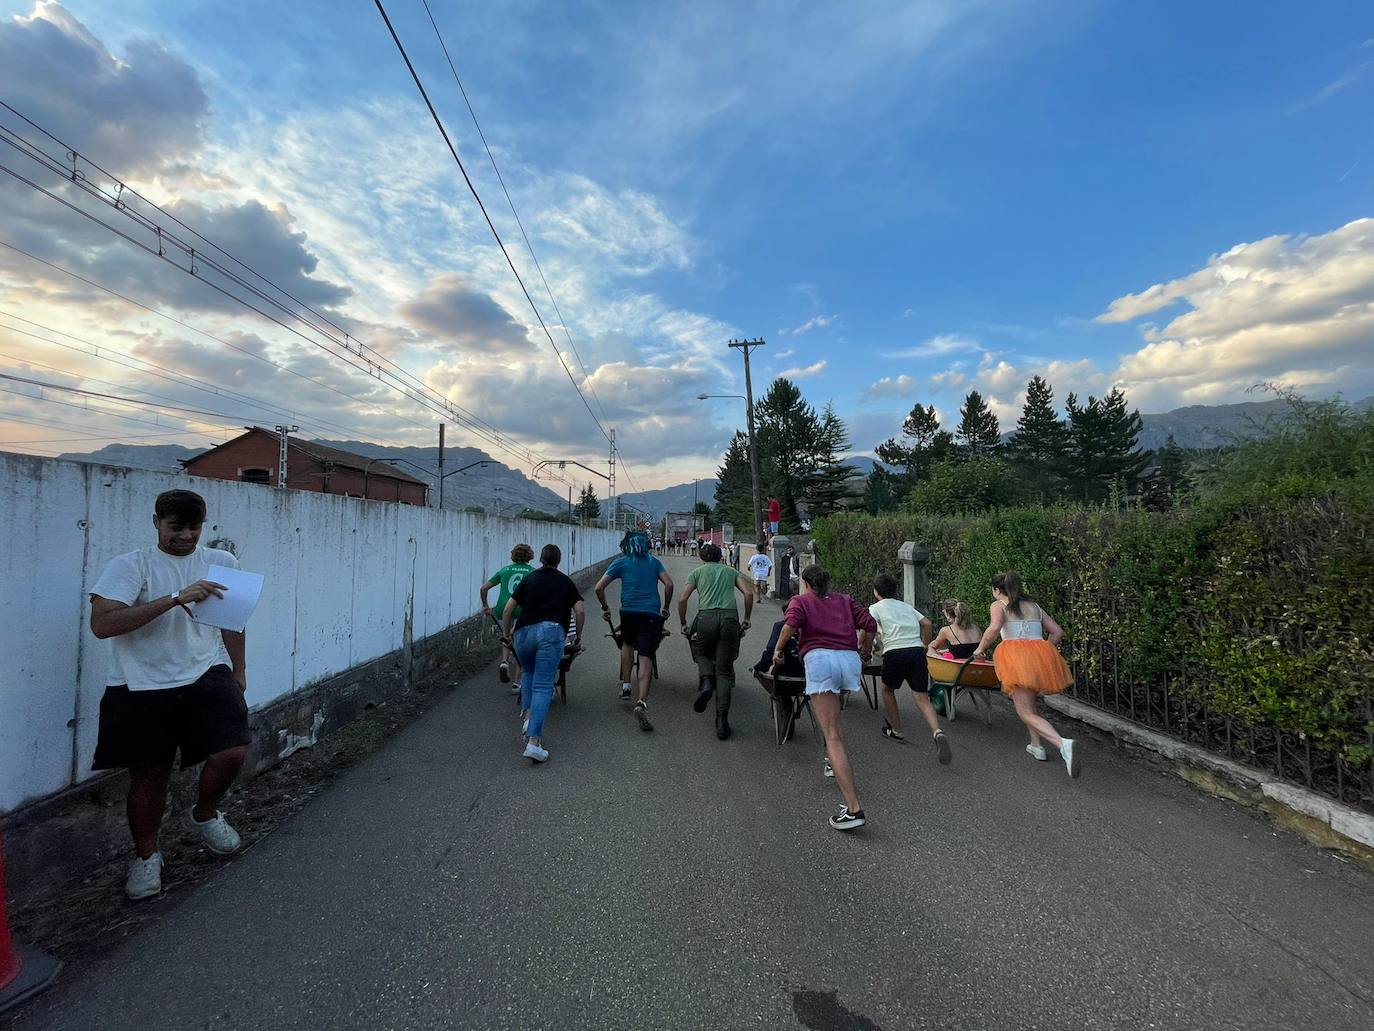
{"x":539,"y":755}
{"x":1071,"y":762}
{"x":145,"y":877}
{"x":1037,"y":752}
{"x":829,"y":772}
{"x":218,"y":836}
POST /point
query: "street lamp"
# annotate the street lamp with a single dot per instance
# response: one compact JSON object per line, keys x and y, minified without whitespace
{"x":470,"y":465}
{"x":753,"y":460}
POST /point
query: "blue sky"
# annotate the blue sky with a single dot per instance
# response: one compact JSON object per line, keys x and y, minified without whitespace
{"x":905,"y":200}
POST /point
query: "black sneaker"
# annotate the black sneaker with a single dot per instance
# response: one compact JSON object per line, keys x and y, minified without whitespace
{"x":844,"y":820}
{"x":942,"y":748}
{"x":896,"y":735}
{"x":642,"y":714}
{"x":722,"y":728}
{"x":703,"y":697}
{"x":624,"y":692}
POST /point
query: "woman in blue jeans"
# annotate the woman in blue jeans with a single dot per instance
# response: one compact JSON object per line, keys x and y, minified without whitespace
{"x":548,"y":601}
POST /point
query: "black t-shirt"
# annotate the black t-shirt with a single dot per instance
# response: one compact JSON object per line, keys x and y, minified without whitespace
{"x":546,"y":596}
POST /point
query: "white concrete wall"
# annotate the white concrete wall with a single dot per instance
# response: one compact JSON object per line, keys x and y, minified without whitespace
{"x":342,"y":574}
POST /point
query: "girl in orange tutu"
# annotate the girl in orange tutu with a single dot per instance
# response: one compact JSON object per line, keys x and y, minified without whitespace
{"x":1027,"y":664}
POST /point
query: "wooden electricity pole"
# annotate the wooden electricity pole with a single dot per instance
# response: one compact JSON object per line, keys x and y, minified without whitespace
{"x":746,"y":346}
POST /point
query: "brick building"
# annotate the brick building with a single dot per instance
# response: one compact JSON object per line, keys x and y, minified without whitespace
{"x":252,"y":457}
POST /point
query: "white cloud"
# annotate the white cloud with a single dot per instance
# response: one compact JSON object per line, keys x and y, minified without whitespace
{"x":816,"y":322}
{"x":1275,"y":309}
{"x":788,"y":353}
{"x":940,"y":345}
{"x":803,"y":372}
{"x":901,"y":386}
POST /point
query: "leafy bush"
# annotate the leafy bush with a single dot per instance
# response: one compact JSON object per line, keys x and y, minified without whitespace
{"x":1254,"y":601}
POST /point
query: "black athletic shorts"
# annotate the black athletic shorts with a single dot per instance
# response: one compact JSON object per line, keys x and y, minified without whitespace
{"x":906,"y":664}
{"x":644,"y":630}
{"x":146,"y":728}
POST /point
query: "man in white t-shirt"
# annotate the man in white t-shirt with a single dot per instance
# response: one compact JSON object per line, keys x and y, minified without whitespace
{"x":173,"y":684}
{"x":761,"y":568}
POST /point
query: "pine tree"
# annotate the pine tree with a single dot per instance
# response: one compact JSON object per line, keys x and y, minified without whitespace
{"x":789,"y":437}
{"x":1040,"y":443}
{"x":1087,"y":446}
{"x":1122,"y":458}
{"x":734,"y":486}
{"x":829,"y":489}
{"x":1173,"y":467}
{"x":1103,"y":456}
{"x":978,"y":433}
{"x":588,"y":508}
{"x":922,"y":445}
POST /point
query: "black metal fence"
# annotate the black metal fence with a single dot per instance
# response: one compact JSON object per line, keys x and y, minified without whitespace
{"x":1172,"y":704}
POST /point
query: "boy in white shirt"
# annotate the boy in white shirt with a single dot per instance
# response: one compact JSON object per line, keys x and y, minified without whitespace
{"x":761,"y":568}
{"x":904,"y":633}
{"x":173,"y":685}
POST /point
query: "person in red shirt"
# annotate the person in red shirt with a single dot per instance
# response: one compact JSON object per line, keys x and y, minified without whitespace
{"x":774,"y":515}
{"x":828,"y":622}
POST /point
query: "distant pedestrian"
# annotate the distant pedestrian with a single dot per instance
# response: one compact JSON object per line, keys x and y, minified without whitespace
{"x":548,"y":602}
{"x":774,"y":516}
{"x":827,"y":622}
{"x":904,"y":632}
{"x":508,"y":578}
{"x":760,"y":569}
{"x":715,"y":633}
{"x":173,"y":684}
{"x":1027,"y":664}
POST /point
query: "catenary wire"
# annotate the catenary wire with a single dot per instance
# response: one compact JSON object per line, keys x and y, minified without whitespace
{"x":586,"y":373}
{"x":424,"y":95}
{"x":434,"y":402}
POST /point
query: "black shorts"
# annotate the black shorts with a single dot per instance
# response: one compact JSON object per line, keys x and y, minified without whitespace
{"x":643,"y":630}
{"x":146,"y":728}
{"x":906,"y":664}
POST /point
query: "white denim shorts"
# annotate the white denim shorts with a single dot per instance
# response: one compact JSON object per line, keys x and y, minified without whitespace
{"x":832,"y":670}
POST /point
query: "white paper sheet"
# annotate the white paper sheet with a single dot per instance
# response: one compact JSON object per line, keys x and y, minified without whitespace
{"x":243,"y":589}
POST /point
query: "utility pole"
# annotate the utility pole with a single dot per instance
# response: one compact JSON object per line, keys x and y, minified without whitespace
{"x":441,"y":465}
{"x":611,"y":506}
{"x":282,"y":433}
{"x":746,"y":346}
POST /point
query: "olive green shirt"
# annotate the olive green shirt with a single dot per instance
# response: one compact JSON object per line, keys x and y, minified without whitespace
{"x":715,"y":582}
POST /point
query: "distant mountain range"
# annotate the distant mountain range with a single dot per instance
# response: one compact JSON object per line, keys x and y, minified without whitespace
{"x":487,"y":486}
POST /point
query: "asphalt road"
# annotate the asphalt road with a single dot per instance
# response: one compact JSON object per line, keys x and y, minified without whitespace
{"x":669,"y":880}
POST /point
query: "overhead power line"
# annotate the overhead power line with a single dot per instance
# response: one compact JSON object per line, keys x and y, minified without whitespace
{"x":145,"y":367}
{"x":586,"y":373}
{"x":350,"y":350}
{"x":195,"y":329}
{"x":424,"y":95}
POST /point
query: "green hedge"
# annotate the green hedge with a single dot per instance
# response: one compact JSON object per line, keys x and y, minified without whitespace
{"x":1259,"y":603}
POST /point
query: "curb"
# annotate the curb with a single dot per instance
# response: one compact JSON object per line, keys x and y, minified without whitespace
{"x":1336,"y":825}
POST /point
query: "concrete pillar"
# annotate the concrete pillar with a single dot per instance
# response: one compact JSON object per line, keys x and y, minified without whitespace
{"x":915,"y":583}
{"x":782,"y":585}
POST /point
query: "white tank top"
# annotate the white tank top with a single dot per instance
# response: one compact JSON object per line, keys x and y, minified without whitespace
{"x":1023,"y":629}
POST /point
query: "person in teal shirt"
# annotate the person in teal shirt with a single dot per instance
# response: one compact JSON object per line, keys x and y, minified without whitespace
{"x":641,"y":614}
{"x":508,"y":579}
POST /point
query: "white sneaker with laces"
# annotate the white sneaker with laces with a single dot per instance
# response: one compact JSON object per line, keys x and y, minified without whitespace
{"x":218,"y":836}
{"x":534,"y":752}
{"x":829,"y":772}
{"x":145,"y":877}
{"x":1037,"y":752}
